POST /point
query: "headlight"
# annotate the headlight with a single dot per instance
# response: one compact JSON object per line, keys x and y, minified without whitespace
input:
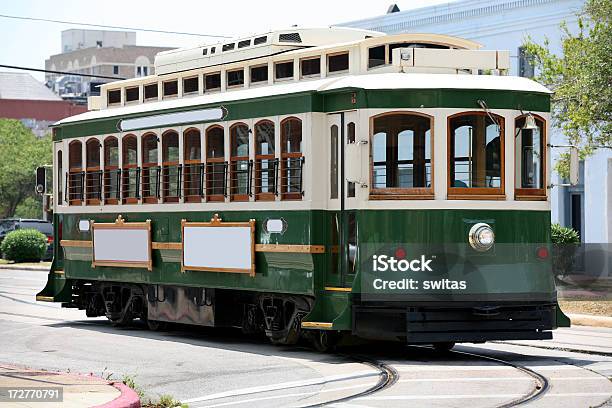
{"x":481,"y":237}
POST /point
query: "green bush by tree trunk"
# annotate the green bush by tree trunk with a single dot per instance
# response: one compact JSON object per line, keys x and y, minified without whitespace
{"x":24,"y":245}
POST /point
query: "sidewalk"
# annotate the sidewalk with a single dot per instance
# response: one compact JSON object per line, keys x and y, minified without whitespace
{"x":44,"y":266}
{"x":590,"y":320}
{"x":78,"y":390}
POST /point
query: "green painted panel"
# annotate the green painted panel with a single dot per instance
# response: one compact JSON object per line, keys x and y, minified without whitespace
{"x":335,"y":100}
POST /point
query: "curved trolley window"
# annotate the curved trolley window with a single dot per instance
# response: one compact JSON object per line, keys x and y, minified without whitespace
{"x":216,"y":166}
{"x":150,"y":169}
{"x":476,"y":151}
{"x":93,"y":175}
{"x":401,"y":155}
{"x":265,"y":163}
{"x":171,"y":169}
{"x":530,"y":155}
{"x":240,"y":166}
{"x":292,"y":160}
{"x":76,"y":177}
{"x":111,"y":172}
{"x":130,"y":174}
{"x":192,"y":159}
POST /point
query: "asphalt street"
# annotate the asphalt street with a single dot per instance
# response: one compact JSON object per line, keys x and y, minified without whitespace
{"x":206,"y":367}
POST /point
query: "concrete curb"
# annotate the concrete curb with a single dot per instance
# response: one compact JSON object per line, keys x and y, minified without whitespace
{"x":127,"y":399}
{"x":25,"y":268}
{"x":590,"y":320}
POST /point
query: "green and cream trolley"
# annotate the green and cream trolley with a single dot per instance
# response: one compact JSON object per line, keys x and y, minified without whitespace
{"x":312,"y":183}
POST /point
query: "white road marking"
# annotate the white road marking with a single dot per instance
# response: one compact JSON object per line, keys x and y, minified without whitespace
{"x":285,"y":385}
{"x":478,"y":396}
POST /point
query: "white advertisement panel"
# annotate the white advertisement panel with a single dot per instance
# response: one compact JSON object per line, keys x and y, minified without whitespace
{"x":219,"y":247}
{"x":122,"y":244}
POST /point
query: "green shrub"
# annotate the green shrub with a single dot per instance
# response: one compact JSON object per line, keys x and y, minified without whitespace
{"x":563,"y":235}
{"x":24,"y":245}
{"x":565,"y":243}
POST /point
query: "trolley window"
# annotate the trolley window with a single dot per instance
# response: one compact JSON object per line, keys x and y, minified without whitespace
{"x":476,"y":156}
{"x":130,"y":174}
{"x":192,"y":156}
{"x":191,"y":85}
{"x":110,"y":175}
{"x":235,"y":78}
{"x":333,"y":162}
{"x":338,"y":62}
{"x":259,"y":74}
{"x":530,"y":155}
{"x":283,"y":70}
{"x":215,"y":164}
{"x":310,"y":67}
{"x":212,"y":82}
{"x":93,"y":174}
{"x":401,"y":155}
{"x":239,"y":163}
{"x":291,"y":159}
{"x":265,"y":162}
{"x":150,"y":168}
{"x":170,"y":88}
{"x":171,"y":170}
{"x":150,"y":91}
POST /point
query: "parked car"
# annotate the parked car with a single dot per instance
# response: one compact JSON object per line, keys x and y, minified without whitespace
{"x":11,"y":224}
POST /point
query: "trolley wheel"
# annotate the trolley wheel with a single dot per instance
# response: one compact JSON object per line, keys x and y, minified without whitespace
{"x":324,"y":340}
{"x":443,"y":347}
{"x":125,"y":319}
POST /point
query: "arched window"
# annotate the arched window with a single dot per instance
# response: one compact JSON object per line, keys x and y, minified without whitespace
{"x":239,"y":163}
{"x":476,"y":155}
{"x":60,"y":177}
{"x":150,"y":169}
{"x":216,"y":167}
{"x":401,"y":155}
{"x":111,"y":170}
{"x":265,"y":163}
{"x":130,"y":172}
{"x":530,"y":158}
{"x":93,"y":175}
{"x":192,"y":158}
{"x":171,"y":172}
{"x":291,"y":159}
{"x":76,"y":176}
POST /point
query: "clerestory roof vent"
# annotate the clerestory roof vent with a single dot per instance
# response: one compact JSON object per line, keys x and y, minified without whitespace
{"x":290,"y":37}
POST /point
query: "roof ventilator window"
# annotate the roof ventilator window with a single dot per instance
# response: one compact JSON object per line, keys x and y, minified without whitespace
{"x":228,"y":47}
{"x":290,"y":37}
{"x":244,"y":43}
{"x":260,"y":40}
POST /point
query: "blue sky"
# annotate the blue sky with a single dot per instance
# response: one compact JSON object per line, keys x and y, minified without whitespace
{"x":29,"y":43}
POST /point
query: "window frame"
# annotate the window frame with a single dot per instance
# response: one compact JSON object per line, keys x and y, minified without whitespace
{"x":188,"y":183}
{"x":126,"y":165}
{"x":284,"y":79}
{"x":233,"y":163}
{"x":74,"y":171}
{"x":210,"y":163}
{"x":149,"y":198}
{"x":90,"y":173}
{"x":309,"y":76}
{"x":285,"y":195}
{"x":166,"y":166}
{"x":476,"y":193}
{"x":336,"y":54}
{"x":270,"y":158}
{"x":532,"y":194}
{"x":400,"y":193}
{"x":108,"y":169}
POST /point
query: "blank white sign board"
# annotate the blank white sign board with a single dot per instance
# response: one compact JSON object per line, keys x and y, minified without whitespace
{"x":220,"y":248}
{"x":121,"y":245}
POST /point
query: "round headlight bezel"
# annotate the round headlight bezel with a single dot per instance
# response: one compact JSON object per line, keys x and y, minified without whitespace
{"x":475,"y":237}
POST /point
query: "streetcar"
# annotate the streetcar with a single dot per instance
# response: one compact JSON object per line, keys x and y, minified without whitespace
{"x":312,"y":183}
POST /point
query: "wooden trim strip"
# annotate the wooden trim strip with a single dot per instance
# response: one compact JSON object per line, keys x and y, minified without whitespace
{"x":316,"y":325}
{"x":167,"y":245}
{"x":75,"y":243}
{"x":281,"y":248}
{"x":302,"y":249}
{"x":337,"y":289}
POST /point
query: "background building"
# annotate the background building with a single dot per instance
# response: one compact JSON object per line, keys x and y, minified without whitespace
{"x":97,"y":52}
{"x":23,"y":97}
{"x":505,"y":24}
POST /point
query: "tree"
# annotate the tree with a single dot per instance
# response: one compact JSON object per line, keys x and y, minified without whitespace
{"x":20,"y":153}
{"x":581,"y":79}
